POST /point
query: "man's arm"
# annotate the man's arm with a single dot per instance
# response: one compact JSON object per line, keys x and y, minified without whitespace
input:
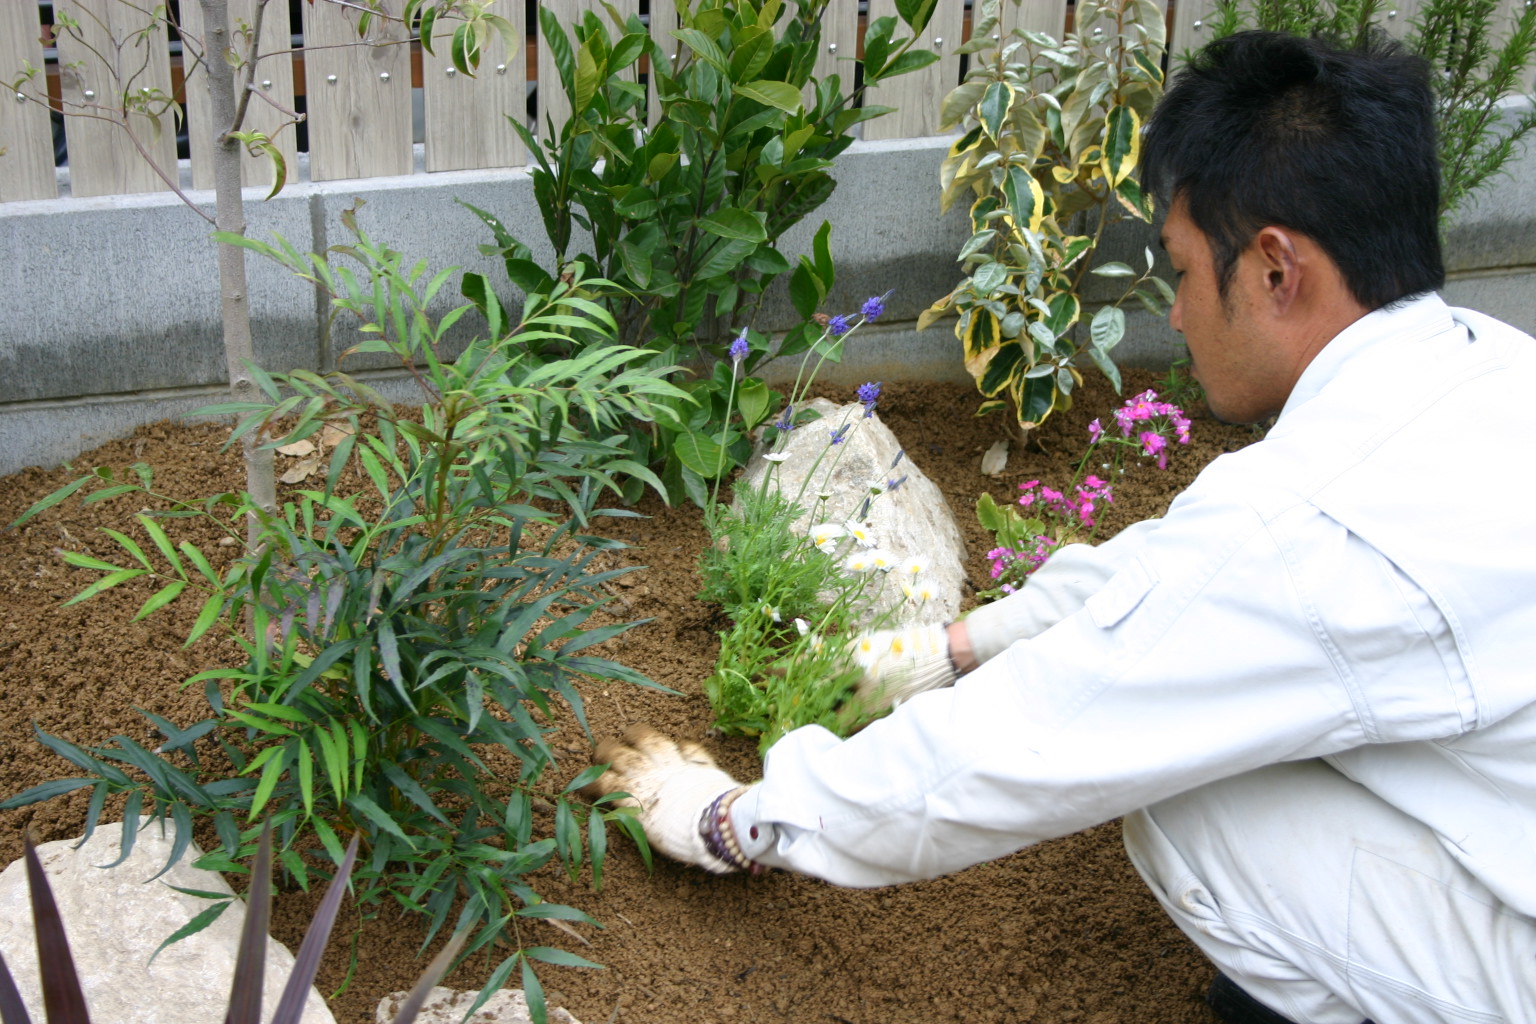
{"x":901,"y":663}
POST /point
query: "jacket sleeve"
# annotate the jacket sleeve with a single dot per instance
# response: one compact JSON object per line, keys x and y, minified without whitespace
{"x":1206,"y":654}
{"x":1055,"y":590}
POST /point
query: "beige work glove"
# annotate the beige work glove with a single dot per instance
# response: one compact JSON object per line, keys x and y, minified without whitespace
{"x":678,"y":788}
{"x":899,"y":664}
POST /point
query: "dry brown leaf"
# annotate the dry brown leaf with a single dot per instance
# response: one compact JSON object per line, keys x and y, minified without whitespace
{"x":332,"y":433}
{"x":297,"y":448}
{"x":996,"y":459}
{"x":303,"y":471}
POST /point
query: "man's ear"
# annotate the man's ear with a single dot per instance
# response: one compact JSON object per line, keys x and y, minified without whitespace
{"x":1280,"y":260}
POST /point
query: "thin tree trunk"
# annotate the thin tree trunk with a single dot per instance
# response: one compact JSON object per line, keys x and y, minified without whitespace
{"x":239,"y":349}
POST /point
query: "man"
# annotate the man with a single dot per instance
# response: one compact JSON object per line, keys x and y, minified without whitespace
{"x":1310,"y":689}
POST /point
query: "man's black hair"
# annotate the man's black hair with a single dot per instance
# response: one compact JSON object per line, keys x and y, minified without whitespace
{"x":1338,"y":144}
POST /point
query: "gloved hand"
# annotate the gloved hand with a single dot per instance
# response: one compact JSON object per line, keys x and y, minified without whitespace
{"x":683,"y":796}
{"x":899,"y":664}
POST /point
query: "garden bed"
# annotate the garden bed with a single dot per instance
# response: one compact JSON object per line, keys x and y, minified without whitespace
{"x":1061,"y":932}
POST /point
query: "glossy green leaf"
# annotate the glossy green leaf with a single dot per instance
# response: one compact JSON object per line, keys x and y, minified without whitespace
{"x":992,"y":111}
{"x":1025,"y":198}
{"x":916,"y":13}
{"x":1122,"y":144}
{"x":779,"y":95}
{"x":700,"y":453}
{"x":732,"y":222}
{"x":1107,"y":328}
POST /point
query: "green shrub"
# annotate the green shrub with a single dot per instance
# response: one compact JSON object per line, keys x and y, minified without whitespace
{"x":401,"y":632}
{"x":682,"y":204}
{"x":1050,"y":153}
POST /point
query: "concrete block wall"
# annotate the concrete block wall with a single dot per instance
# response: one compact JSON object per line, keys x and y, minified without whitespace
{"x":110,"y":305}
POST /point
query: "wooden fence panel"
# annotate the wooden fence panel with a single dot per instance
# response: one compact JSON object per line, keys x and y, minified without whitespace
{"x":553,"y":106}
{"x":467,"y":123}
{"x":663,"y":22}
{"x":1048,"y":16}
{"x":917,"y":96}
{"x":358,"y":95}
{"x":1190,"y":30}
{"x":26,"y":136}
{"x":839,"y":42}
{"x":274,"y":80}
{"x":116,"y":56}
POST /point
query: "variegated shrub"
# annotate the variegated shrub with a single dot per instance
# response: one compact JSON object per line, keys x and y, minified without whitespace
{"x":1049,"y":155}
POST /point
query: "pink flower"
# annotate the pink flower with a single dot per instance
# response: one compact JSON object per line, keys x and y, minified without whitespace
{"x":1095,"y":431}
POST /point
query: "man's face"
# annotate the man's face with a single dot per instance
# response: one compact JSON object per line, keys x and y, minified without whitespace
{"x":1231,"y":354}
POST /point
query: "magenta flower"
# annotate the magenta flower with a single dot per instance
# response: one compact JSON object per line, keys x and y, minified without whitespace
{"x":1095,"y":431}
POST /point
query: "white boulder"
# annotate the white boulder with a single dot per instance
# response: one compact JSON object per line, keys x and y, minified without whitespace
{"x":115,"y":919}
{"x":909,"y":520}
{"x":447,"y":1006}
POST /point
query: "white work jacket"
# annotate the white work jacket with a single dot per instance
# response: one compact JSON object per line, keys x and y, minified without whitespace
{"x":1359,"y":586}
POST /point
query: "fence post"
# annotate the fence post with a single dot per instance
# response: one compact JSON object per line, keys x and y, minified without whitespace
{"x":553,"y":105}
{"x":918,"y":95}
{"x":274,"y":82}
{"x":357,"y":95}
{"x":122,"y":51}
{"x":26,"y":166}
{"x":466,"y":118}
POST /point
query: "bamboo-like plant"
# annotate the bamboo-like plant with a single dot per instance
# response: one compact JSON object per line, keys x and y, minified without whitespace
{"x":408,"y":617}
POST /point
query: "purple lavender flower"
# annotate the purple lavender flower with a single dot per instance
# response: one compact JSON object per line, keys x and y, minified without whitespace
{"x":740,"y":348}
{"x":868,"y":395}
{"x":786,"y":422}
{"x":873,"y":307}
{"x":839,"y":326}
{"x":840,"y":433}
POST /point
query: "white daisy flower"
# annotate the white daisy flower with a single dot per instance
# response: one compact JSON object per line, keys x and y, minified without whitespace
{"x":776,"y":456}
{"x":859,"y":561}
{"x":862,"y":532}
{"x":772,"y":612}
{"x":826,"y":535}
{"x":914,"y":566}
{"x":865,"y":652}
{"x":917,"y":592}
{"x":802,"y":627}
{"x":882,"y":560}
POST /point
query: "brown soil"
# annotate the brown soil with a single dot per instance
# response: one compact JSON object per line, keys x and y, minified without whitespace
{"x":1061,"y":932}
